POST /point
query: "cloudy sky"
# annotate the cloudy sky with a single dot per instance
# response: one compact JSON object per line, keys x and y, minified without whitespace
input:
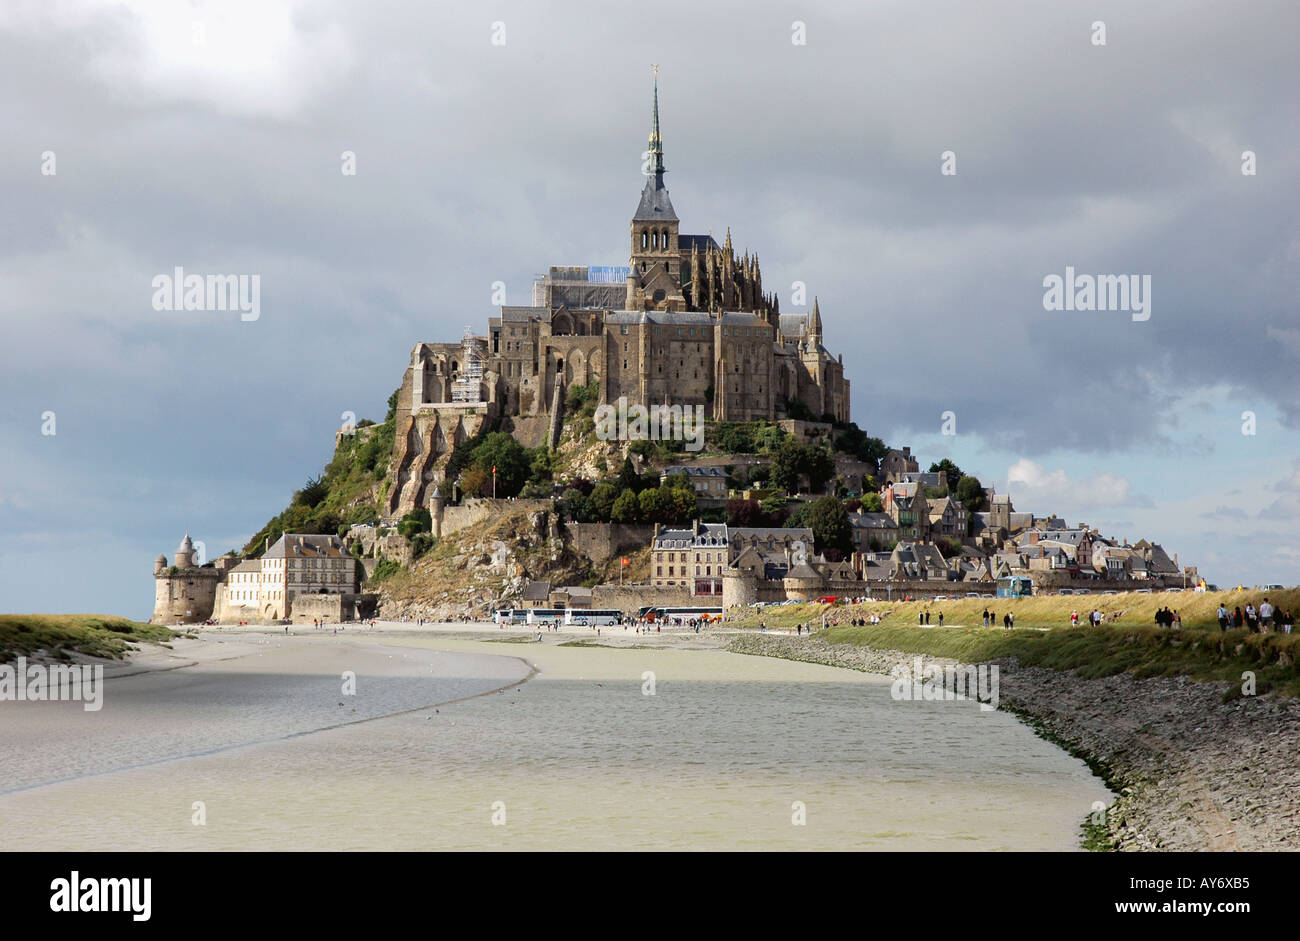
{"x":481,"y":161}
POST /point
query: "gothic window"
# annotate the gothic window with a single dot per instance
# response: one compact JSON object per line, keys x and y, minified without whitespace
{"x":654,"y":240}
{"x":644,"y":240}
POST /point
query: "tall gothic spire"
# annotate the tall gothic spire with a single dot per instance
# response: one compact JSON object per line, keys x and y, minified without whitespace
{"x":657,"y":142}
{"x":655,"y":204}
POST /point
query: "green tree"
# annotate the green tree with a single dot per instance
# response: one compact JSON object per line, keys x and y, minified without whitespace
{"x":626,"y":508}
{"x":970,"y":493}
{"x":577,"y":506}
{"x":510,"y":458}
{"x":819,"y":466}
{"x":871,"y":503}
{"x":313,"y":493}
{"x":829,"y":522}
{"x":655,"y":505}
{"x":769,"y":438}
{"x":787,"y":463}
{"x":952,"y":472}
{"x":683,"y":502}
{"x":603,"y":497}
{"x":417,"y":521}
{"x":628,"y":478}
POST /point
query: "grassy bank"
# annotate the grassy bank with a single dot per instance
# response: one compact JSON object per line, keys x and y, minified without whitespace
{"x":1127,"y":609}
{"x":1131,"y":643}
{"x":59,"y":635}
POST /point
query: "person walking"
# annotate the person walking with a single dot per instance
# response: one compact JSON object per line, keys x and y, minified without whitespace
{"x":1222,"y":614}
{"x":1252,"y":618}
{"x":1265,"y":615}
{"x":1074,"y":618}
{"x":941,"y":619}
{"x":986,"y":617}
{"x":1006,"y":621}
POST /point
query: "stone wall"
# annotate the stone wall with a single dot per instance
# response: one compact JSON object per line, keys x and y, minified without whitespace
{"x":332,"y":607}
{"x":603,"y":541}
{"x":1054,"y":581}
{"x":629,"y":598}
{"x":188,"y":596}
{"x":477,"y":510}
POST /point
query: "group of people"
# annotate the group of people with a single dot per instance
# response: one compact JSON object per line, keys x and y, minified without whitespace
{"x":1167,"y":618}
{"x":1094,"y":618}
{"x":1264,"y":618}
{"x":990,"y":619}
{"x":872,"y":618}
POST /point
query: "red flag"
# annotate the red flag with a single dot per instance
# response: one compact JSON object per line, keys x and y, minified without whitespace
{"x":625,"y":562}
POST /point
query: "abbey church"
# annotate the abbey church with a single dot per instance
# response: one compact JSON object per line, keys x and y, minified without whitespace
{"x":685,"y":322}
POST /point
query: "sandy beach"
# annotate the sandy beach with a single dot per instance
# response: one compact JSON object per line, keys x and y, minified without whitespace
{"x":470,"y":737}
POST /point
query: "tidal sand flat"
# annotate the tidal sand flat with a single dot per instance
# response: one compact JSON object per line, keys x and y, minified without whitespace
{"x":602,"y":748}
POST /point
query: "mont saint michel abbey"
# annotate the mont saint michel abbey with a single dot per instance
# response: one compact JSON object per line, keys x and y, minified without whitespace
{"x":686,"y":322}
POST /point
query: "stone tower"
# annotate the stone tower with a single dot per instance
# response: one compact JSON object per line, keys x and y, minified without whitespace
{"x":655,"y":281}
{"x":185,"y":593}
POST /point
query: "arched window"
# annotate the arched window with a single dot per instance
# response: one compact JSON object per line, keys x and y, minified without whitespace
{"x":654,"y":239}
{"x":645,"y":239}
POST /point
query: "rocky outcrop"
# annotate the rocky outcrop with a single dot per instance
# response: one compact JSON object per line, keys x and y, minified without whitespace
{"x":1196,"y":767}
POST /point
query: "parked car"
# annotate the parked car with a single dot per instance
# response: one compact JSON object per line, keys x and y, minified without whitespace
{"x":1110,"y":591}
{"x":973,"y":594}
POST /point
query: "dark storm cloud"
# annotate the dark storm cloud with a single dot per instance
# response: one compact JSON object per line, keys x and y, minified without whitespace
{"x":479,"y":163}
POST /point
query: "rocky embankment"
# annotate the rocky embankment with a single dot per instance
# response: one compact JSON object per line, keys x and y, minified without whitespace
{"x":1193,"y":772}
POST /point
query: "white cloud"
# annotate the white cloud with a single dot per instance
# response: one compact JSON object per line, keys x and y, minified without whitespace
{"x":1034,"y":486}
{"x":262,"y":58}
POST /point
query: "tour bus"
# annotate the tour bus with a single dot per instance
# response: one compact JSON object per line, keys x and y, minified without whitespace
{"x":579,"y":616}
{"x":1015,"y":586}
{"x":669,"y":614}
{"x":591,"y":617}
{"x":527,"y":615}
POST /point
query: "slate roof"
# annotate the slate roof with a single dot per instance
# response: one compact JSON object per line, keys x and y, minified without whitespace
{"x":292,"y":545}
{"x":705,"y":242}
{"x":655,"y":206}
{"x":537,"y":591}
{"x":693,"y":470}
{"x":872,"y":521}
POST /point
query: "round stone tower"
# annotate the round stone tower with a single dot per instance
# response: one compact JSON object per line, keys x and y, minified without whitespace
{"x":184,"y":593}
{"x":436,"y":504}
{"x":185,"y":553}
